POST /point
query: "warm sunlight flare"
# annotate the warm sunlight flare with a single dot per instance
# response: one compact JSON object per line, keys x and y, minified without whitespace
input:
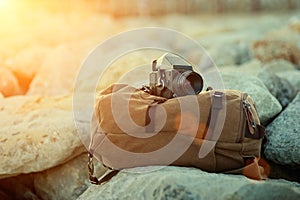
{"x":4,"y":4}
{"x":6,"y":11}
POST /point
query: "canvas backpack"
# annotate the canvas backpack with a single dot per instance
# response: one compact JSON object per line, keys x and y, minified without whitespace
{"x":235,"y":150}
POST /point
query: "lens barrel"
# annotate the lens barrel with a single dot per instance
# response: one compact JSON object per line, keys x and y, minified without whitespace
{"x":188,"y":83}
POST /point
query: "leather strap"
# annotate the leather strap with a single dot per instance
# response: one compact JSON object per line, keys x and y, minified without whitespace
{"x":254,"y":168}
{"x":216,"y":106}
{"x":259,"y":132}
{"x":106,"y":177}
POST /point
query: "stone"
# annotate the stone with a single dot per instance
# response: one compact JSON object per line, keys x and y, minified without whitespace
{"x":278,"y":87}
{"x":278,"y":171}
{"x":284,"y":34}
{"x":188,"y":183}
{"x":254,"y":66}
{"x":294,"y":24}
{"x":264,"y":191}
{"x":280,"y":65}
{"x":268,"y":50}
{"x":36,"y":133}
{"x":230,"y":54}
{"x":26,"y":63}
{"x":293,"y":76}
{"x":18,"y":187}
{"x":251,"y":67}
{"x":3,"y":195}
{"x":57,"y":73}
{"x":9,"y":84}
{"x":283,"y":145}
{"x":257,"y":90}
{"x":67,"y":181}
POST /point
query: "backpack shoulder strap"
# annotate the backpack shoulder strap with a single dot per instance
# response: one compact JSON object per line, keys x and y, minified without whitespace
{"x":214,"y":123}
{"x":216,"y":107}
{"x":103,"y":179}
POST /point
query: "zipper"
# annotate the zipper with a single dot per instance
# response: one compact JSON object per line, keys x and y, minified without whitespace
{"x":249,"y":116}
{"x":243,"y":120}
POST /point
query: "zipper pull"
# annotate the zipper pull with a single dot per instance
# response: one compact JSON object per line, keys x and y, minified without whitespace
{"x":249,"y":115}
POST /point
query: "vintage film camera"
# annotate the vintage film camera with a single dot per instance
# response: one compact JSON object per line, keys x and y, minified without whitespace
{"x":171,"y":77}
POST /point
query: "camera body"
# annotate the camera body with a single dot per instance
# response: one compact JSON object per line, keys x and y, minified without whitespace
{"x":174,"y":78}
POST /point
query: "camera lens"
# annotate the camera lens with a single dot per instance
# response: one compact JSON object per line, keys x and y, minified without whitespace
{"x":189,"y":82}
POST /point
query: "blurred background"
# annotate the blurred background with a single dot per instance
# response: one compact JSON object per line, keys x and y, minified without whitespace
{"x":44,"y":42}
{"x":155,"y":7}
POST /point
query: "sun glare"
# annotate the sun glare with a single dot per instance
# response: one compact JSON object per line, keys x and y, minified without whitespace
{"x":4,"y":4}
{"x":6,"y":10}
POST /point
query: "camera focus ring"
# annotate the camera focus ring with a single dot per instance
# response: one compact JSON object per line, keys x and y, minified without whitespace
{"x":188,"y":83}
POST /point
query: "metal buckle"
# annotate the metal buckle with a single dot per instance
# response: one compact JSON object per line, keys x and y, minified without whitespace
{"x":217,"y":102}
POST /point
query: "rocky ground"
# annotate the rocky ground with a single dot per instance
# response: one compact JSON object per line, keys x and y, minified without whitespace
{"x":41,"y":155}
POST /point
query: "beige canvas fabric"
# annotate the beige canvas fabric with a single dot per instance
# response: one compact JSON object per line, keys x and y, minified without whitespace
{"x":233,"y":151}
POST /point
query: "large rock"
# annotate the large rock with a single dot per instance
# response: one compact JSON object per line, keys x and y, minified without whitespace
{"x":189,"y":183}
{"x":277,"y":66}
{"x":36,"y":133}
{"x":57,"y":72}
{"x":230,"y":54}
{"x":265,"y":191}
{"x":251,"y":67}
{"x":286,"y":71}
{"x":26,"y":63}
{"x":18,"y":187}
{"x":278,"y":171}
{"x":3,"y":195}
{"x":283,"y":145}
{"x":9,"y":84}
{"x":294,"y":24}
{"x":268,"y":50}
{"x":66,"y":181}
{"x":267,"y":105}
{"x":280,"y":88}
{"x":255,"y":66}
{"x":293,"y":76}
{"x":288,"y":33}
